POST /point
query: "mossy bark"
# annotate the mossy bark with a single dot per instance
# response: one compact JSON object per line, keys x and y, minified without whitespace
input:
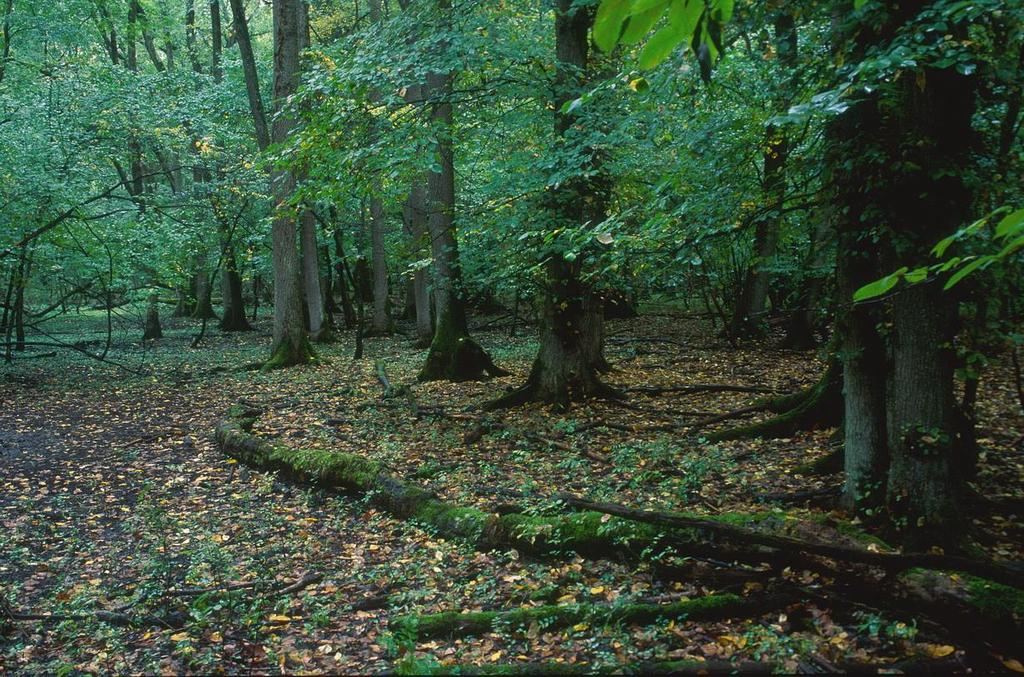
{"x":588,"y":533}
{"x":153,"y":329}
{"x":289,"y":354}
{"x":232,"y":304}
{"x":453,"y":355}
{"x":550,"y":617}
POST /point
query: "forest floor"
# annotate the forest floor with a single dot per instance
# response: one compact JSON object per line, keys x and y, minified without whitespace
{"x":114,"y":497}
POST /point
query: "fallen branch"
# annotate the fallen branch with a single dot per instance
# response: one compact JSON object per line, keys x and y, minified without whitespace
{"x":735,"y":413}
{"x":891,"y":562}
{"x":278,"y":589}
{"x":172,"y":620}
{"x":700,"y":388}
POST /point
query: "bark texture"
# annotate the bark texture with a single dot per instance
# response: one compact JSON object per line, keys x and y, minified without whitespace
{"x":291,"y":346}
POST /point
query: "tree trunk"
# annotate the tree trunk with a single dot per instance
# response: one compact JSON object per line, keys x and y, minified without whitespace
{"x":380,"y":323}
{"x":862,"y":349}
{"x":931,"y":136}
{"x":416,"y":215}
{"x":233,"y":305}
{"x":204,"y":291}
{"x":291,"y":345}
{"x":5,"y":35}
{"x":800,"y":329}
{"x":750,"y":307}
{"x":24,"y":270}
{"x":152,"y":330}
{"x":571,"y":322}
{"x":319,"y":327}
{"x":252,"y":84}
{"x":343,"y":277}
{"x":453,"y":354}
{"x":217,"y":41}
{"x":327,"y":284}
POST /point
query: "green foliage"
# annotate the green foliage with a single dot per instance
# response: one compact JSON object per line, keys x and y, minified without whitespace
{"x":1008,"y":237}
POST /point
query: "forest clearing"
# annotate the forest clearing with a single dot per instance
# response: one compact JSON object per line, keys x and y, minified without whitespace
{"x":534,"y":336}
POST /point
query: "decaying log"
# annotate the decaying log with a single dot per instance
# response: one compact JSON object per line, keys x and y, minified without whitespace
{"x":891,"y":562}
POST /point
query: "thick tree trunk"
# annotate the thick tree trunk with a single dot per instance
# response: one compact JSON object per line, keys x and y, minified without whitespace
{"x":866,"y":454}
{"x":233,"y":305}
{"x":800,"y":329}
{"x":932,"y":137}
{"x":153,"y":329}
{"x":861,"y":347}
{"x":453,"y":354}
{"x":204,"y":291}
{"x":571,"y":327}
{"x":380,"y":323}
{"x":291,"y":345}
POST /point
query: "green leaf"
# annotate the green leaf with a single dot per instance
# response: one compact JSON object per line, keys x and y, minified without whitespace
{"x":857,"y":4}
{"x":1010,"y":248}
{"x":723,"y":10}
{"x":640,"y":6}
{"x":1011,"y":224}
{"x":683,"y":15}
{"x":879,"y":287}
{"x":611,"y":14}
{"x":660,"y":46}
{"x":966,"y":270}
{"x":640,"y":24}
{"x":917,"y":275}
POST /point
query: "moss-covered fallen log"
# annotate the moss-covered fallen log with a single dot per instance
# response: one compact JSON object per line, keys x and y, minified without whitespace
{"x":586,"y":533}
{"x":678,"y":667}
{"x":596,"y":533}
{"x":549,"y":617}
{"x":892,"y":562}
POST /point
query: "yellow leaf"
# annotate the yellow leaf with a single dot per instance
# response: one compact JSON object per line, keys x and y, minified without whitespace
{"x":1014,"y":664}
{"x":179,"y":637}
{"x":566,"y":599}
{"x":216,"y":637}
{"x":597,"y":590}
{"x":278,"y":618}
{"x":495,"y":656}
{"x":938,"y":650}
{"x":580,"y":627}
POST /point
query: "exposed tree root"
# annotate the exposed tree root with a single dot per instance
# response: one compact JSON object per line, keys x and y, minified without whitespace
{"x":699,"y":388}
{"x":285,"y":355}
{"x":819,"y":406}
{"x":458,"y":358}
